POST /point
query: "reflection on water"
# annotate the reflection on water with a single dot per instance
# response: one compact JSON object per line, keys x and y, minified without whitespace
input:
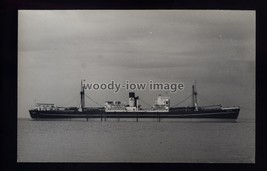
{"x":187,"y":140}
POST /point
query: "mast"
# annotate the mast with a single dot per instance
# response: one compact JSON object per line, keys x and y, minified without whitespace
{"x":194,"y":96}
{"x":82,"y":96}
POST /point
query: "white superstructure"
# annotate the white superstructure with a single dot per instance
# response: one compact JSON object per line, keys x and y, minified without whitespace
{"x":162,"y":104}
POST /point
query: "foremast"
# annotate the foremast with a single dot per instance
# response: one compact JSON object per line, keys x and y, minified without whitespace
{"x":194,"y":96}
{"x":82,"y":105}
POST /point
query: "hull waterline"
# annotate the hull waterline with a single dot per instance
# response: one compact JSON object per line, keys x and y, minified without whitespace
{"x":227,"y":114}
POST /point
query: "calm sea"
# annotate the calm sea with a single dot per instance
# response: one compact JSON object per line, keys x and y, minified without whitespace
{"x":184,"y":141}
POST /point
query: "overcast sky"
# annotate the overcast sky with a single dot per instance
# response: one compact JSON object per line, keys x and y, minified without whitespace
{"x":58,"y":48}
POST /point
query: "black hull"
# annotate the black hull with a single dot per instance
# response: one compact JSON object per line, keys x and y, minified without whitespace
{"x":212,"y":114}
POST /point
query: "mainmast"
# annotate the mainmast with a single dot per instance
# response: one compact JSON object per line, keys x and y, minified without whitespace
{"x":194,"y":96}
{"x":82,"y":96}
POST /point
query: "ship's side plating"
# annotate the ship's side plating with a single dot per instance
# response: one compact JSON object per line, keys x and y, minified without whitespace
{"x":229,"y":113}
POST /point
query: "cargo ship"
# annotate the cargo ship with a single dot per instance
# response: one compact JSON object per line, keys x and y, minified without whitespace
{"x":117,"y":109}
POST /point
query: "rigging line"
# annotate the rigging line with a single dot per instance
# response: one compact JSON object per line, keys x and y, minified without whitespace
{"x":93,"y":100}
{"x":183,"y":101}
{"x":70,"y":101}
{"x":145,"y":102}
{"x":67,"y":101}
{"x":177,"y":98}
{"x":202,"y":97}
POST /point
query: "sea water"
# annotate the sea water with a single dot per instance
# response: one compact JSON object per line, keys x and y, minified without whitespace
{"x":180,"y":141}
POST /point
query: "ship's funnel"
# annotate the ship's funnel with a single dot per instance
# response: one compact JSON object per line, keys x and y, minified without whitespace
{"x":133,"y":101}
{"x":131,"y":94}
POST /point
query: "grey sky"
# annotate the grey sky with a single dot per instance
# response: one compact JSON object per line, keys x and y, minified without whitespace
{"x":56,"y":49}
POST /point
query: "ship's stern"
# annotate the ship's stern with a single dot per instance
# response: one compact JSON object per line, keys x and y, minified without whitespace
{"x":34,"y":114}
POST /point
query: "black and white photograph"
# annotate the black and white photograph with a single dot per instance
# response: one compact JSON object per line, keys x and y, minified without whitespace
{"x":136,"y":86}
